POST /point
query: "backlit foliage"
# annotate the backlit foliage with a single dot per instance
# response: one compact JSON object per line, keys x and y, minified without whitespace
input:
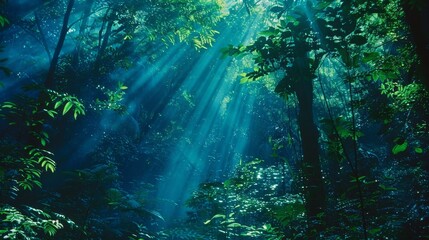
{"x":143,"y":131}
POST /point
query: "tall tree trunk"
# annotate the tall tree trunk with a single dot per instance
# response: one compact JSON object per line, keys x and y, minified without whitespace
{"x":49,"y":82}
{"x":82,"y":31}
{"x":315,"y":202}
{"x":419,"y":27}
{"x":103,"y":41}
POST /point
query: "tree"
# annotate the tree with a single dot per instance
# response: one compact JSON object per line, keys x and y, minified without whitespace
{"x":416,"y":17}
{"x":296,"y":46}
{"x":288,"y":47}
{"x":109,"y":33}
{"x":49,"y":82}
{"x":121,"y":28}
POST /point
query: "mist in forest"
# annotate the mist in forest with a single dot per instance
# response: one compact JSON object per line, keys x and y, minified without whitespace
{"x":213,"y":119}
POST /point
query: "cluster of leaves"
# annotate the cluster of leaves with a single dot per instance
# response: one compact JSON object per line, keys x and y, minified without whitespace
{"x":109,"y":34}
{"x":336,"y":30}
{"x":30,"y":223}
{"x":138,"y":23}
{"x":346,"y":37}
{"x":142,"y":232}
{"x":248,"y":205}
{"x":113,"y":99}
{"x":187,"y":14}
{"x":101,"y":191}
{"x":29,"y":118}
{"x":25,"y":157}
{"x":3,"y":23}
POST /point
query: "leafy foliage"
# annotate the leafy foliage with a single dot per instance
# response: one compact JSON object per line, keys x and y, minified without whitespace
{"x":30,"y":223}
{"x":346,"y":36}
{"x":186,"y":14}
{"x":235,"y":208}
{"x":113,"y":99}
{"x":354,"y":49}
{"x":33,"y":159}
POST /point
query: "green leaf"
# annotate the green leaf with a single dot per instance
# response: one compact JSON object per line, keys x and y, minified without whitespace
{"x":8,"y":105}
{"x":322,"y":5}
{"x":371,"y":56}
{"x":385,"y":188}
{"x":374,"y":231}
{"x":345,"y":57}
{"x":266,"y":226}
{"x":58,"y":104}
{"x":51,"y":113}
{"x":50,"y":167}
{"x":234,"y":225}
{"x":3,"y":21}
{"x":245,"y":80}
{"x":67,"y":107}
{"x":49,"y":228}
{"x":398,"y":148}
{"x":360,"y":179}
{"x":43,"y":141}
{"x":270,"y":32}
{"x":44,"y":134}
{"x":219,"y":216}
{"x":418,"y":150}
{"x":214,"y":217}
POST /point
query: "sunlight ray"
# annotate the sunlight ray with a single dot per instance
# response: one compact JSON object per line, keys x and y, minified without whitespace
{"x":192,"y":159}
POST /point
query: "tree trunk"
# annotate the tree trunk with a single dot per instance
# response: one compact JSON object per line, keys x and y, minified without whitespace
{"x":315,"y":202}
{"x":49,"y":82}
{"x":82,"y":31}
{"x":418,"y":23}
{"x":103,"y":42}
{"x":312,"y":175}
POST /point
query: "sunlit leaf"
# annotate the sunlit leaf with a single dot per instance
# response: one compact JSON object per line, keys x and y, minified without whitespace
{"x":418,"y":150}
{"x":270,"y":32}
{"x":234,"y":225}
{"x":51,"y":113}
{"x":58,"y":104}
{"x":322,"y":5}
{"x":398,"y":148}
{"x":67,"y":107}
{"x":214,"y":217}
{"x":43,"y":142}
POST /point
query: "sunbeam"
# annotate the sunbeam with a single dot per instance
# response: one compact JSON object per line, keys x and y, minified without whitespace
{"x":191,"y":161}
{"x":214,"y":119}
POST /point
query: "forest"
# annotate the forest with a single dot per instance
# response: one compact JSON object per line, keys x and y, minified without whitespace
{"x":214,"y":119}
